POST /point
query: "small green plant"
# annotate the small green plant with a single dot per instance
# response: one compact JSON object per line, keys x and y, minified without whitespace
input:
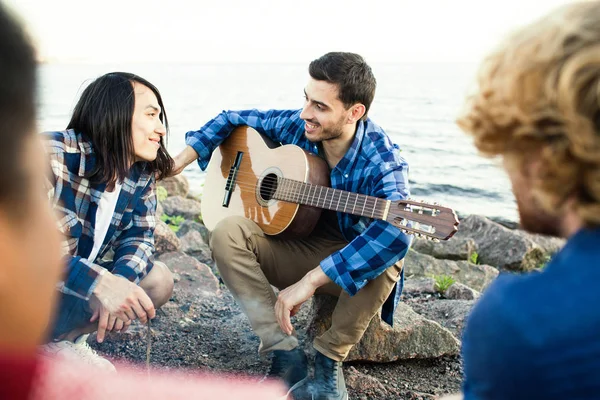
{"x":172,"y":221}
{"x":542,"y":264}
{"x":443,"y":282}
{"x":161,"y":193}
{"x":474,"y":258}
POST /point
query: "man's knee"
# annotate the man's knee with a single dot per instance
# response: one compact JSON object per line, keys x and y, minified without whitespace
{"x":158,"y":284}
{"x":230,"y":231}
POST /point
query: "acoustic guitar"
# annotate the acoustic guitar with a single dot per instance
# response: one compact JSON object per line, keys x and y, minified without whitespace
{"x":284,"y":189}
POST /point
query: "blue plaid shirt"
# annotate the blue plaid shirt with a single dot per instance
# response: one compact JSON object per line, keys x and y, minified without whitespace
{"x":372,"y":166}
{"x":75,"y":199}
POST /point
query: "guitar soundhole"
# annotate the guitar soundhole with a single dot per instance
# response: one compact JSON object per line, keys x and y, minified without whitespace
{"x":268,"y":187}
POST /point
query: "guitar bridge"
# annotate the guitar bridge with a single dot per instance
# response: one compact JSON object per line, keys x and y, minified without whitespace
{"x":231,"y":178}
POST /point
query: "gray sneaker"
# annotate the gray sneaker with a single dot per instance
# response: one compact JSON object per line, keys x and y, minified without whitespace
{"x":291,"y":367}
{"x":328,"y":383}
{"x":77,"y":351}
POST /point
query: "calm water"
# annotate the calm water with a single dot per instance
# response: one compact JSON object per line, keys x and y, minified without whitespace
{"x":416,"y":104}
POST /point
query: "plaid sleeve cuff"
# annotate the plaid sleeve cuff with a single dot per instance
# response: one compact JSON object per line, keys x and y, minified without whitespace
{"x":82,"y":278}
{"x":199,"y":147}
{"x":335,"y":270}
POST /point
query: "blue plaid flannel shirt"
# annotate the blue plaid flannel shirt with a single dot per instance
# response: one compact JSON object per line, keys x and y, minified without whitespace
{"x":372,"y":166}
{"x":130,"y":236}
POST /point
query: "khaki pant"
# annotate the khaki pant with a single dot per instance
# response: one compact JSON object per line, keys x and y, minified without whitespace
{"x":250,"y":262}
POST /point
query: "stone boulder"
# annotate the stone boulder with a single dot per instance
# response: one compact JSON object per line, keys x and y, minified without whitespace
{"x":165,"y":239}
{"x":411,"y":337}
{"x":419,"y":286}
{"x":177,"y":185}
{"x":550,"y":245}
{"x":193,"y":244}
{"x":458,"y":291}
{"x":501,"y":247}
{"x":451,"y":314}
{"x":159,"y":210}
{"x":195,"y":276}
{"x":177,"y":205}
{"x":187,"y":226}
{"x":367,"y":385}
{"x":478,"y":277}
{"x":451,"y":249}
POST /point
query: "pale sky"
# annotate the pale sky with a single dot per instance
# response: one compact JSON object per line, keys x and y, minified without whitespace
{"x":271,"y":30}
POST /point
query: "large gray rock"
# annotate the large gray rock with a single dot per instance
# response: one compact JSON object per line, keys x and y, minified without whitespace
{"x":411,"y":337}
{"x":187,"y":226}
{"x":177,"y":185}
{"x":549,"y":244}
{"x":451,"y":249}
{"x":478,"y":277}
{"x":195,"y":276}
{"x":501,"y":247}
{"x":367,"y":385}
{"x":165,"y":239}
{"x":193,"y":245}
{"x":458,"y":291}
{"x":451,"y":314}
{"x":177,"y":205}
{"x":419,"y":286}
{"x":159,"y":210}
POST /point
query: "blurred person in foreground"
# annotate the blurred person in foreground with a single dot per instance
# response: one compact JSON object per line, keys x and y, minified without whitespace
{"x":31,"y":265}
{"x":538,"y":108}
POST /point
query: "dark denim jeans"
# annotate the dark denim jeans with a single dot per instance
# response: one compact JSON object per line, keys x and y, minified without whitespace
{"x":71,"y":313}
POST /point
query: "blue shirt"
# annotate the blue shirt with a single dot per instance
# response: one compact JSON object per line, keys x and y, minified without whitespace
{"x":538,"y":336}
{"x":372,"y":166}
{"x":75,"y":200}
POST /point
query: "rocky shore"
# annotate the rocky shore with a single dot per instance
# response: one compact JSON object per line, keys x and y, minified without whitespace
{"x":202,"y":329}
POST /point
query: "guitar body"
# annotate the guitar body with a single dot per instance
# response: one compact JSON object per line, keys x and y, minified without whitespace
{"x":259,"y":163}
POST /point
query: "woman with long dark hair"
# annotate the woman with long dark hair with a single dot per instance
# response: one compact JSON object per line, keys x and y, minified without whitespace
{"x":104,"y":170}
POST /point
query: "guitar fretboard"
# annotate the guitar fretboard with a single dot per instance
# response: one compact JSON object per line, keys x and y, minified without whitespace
{"x":329,"y":198}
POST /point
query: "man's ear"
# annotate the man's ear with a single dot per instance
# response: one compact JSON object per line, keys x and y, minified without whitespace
{"x":357,"y":111}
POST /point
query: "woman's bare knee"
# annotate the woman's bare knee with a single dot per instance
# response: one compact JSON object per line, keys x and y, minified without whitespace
{"x":158,"y":284}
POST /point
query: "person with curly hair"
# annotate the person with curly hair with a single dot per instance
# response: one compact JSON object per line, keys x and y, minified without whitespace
{"x":537,"y":107}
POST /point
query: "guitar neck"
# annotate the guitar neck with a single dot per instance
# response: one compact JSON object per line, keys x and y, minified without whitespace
{"x":331,"y":199}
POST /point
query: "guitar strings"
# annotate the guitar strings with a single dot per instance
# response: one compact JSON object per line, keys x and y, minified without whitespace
{"x":302,"y":191}
{"x":279,"y":184}
{"x":295,"y":186}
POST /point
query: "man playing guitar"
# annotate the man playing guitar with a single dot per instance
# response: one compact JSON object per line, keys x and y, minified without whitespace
{"x":356,"y":258}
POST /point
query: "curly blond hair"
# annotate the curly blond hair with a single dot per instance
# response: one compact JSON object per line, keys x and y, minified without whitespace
{"x":539,"y":93}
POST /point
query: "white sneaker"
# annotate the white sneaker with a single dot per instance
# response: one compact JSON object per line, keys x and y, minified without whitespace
{"x":79,"y":351}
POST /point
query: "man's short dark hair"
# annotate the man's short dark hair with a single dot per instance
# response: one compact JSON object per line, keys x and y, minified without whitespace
{"x":17,"y":105}
{"x":351,"y":74}
{"x":103,"y":115}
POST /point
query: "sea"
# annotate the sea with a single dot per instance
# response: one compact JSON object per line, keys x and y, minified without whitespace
{"x":417,"y":104}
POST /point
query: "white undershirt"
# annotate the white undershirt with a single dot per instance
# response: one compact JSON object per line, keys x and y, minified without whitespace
{"x":104,"y":214}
